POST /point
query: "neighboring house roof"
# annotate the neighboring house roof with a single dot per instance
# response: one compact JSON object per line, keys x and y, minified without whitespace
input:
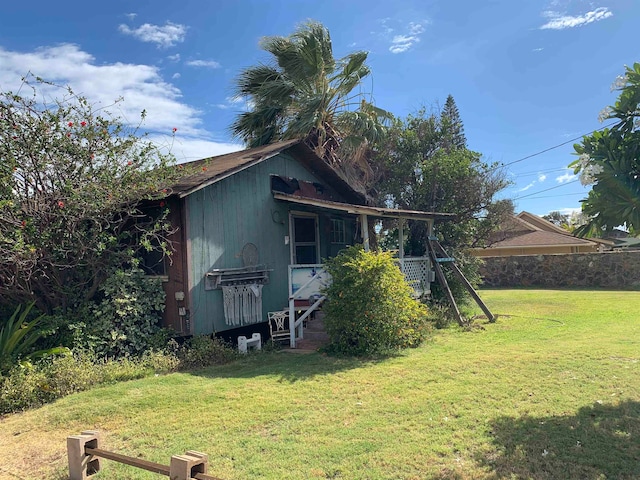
{"x":541,"y":238}
{"x":541,"y":223}
{"x":213,"y":169}
{"x":529,"y":230}
{"x":629,"y":243}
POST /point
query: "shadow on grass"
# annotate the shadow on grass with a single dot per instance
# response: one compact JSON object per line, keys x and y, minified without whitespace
{"x":289,"y":367}
{"x":599,"y":442}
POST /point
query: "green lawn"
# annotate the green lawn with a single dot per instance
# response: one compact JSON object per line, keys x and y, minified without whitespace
{"x":551,"y":391}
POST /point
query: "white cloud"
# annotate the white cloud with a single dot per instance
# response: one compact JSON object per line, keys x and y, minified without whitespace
{"x":527,"y":187}
{"x":174,"y":58}
{"x":537,"y":49}
{"x":408,"y":38}
{"x":186,"y":150}
{"x":163,"y":36}
{"x":141,"y":87}
{"x":175,"y":76}
{"x":558,"y":21}
{"x":568,"y":176}
{"x":542,"y":177}
{"x":203,"y":63}
{"x":569,"y":211}
{"x":415,"y":28}
{"x":131,"y":16}
{"x":242,"y":103}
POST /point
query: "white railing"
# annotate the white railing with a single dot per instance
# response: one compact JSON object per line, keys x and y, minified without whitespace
{"x":306,"y":282}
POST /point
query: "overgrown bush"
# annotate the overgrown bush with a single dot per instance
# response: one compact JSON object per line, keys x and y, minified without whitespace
{"x":202,"y":351}
{"x":370,"y":309}
{"x":27,"y":386}
{"x":31,"y":385}
{"x":126,"y":321}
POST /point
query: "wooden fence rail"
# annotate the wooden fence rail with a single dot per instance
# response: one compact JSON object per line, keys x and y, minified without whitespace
{"x":85,"y":455}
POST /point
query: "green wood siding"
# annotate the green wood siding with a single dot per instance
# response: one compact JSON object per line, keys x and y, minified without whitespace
{"x":223,"y":217}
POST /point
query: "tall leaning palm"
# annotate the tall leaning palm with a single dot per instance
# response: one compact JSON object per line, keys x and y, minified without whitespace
{"x":306,"y":93}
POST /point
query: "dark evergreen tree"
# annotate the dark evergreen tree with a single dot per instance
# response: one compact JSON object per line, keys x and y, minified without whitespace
{"x":452,"y":126}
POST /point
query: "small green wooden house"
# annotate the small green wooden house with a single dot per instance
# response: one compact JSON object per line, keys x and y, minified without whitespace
{"x":251,"y":230}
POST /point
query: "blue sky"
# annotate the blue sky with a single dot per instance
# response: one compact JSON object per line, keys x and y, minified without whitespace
{"x":526,"y":75}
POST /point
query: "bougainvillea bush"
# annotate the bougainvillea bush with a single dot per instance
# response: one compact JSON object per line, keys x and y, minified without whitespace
{"x":73,"y":179}
{"x":369,"y":308}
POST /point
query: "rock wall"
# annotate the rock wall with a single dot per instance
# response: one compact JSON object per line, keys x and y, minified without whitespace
{"x":619,"y":270}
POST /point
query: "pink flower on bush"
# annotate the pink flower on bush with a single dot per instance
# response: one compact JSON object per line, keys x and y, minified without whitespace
{"x":60,"y":204}
{"x":83,"y":124}
{"x":175,"y":129}
{"x":70,"y":124}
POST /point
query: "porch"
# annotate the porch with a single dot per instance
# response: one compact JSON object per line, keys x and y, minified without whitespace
{"x":307,"y":283}
{"x":307,"y":277}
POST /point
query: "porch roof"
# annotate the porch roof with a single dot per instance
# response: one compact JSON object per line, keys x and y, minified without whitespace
{"x":379,"y":212}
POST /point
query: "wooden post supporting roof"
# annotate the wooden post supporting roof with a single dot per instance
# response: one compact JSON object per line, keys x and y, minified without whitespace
{"x":401,"y":238}
{"x":364,"y":224}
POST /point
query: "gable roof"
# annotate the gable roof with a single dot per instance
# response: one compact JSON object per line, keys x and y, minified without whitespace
{"x":541,"y":223}
{"x":529,"y":230}
{"x":213,"y":169}
{"x":541,"y":238}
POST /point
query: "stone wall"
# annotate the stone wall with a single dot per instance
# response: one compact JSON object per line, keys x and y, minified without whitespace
{"x":607,"y":270}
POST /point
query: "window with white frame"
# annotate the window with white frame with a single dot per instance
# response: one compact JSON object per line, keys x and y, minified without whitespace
{"x":338,"y":232}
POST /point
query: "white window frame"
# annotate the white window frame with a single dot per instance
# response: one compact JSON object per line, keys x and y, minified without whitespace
{"x":296,"y":214}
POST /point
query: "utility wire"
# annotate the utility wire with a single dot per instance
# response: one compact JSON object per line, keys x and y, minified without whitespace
{"x":538,"y":172}
{"x":551,"y":148}
{"x":545,"y":190}
{"x":561,"y":195}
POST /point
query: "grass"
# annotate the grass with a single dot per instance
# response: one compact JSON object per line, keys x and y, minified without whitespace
{"x":551,"y":391}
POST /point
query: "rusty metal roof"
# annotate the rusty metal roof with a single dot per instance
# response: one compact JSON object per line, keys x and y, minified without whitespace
{"x":379,"y":212}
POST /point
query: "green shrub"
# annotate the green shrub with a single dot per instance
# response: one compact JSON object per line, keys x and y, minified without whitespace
{"x":202,"y":351}
{"x":31,"y":385}
{"x":370,"y":309}
{"x":126,"y":321}
{"x":27,"y":386}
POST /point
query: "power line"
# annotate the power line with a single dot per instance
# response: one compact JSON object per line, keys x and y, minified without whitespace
{"x":539,"y":172}
{"x":546,"y":190}
{"x":561,"y":195}
{"x":551,"y":148}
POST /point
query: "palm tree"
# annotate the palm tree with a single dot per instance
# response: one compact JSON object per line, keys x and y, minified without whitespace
{"x":306,"y":93}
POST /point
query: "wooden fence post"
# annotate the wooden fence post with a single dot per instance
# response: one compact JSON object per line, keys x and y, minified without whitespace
{"x":81,"y":465}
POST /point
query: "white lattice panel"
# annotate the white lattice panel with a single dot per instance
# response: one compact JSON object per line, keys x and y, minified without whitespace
{"x":416,"y":272}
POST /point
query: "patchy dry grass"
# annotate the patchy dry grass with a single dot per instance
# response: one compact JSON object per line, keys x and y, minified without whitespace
{"x":551,"y":391}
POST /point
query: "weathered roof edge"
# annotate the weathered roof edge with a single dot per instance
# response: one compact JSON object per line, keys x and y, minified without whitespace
{"x":380,"y":212}
{"x":215,"y":169}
